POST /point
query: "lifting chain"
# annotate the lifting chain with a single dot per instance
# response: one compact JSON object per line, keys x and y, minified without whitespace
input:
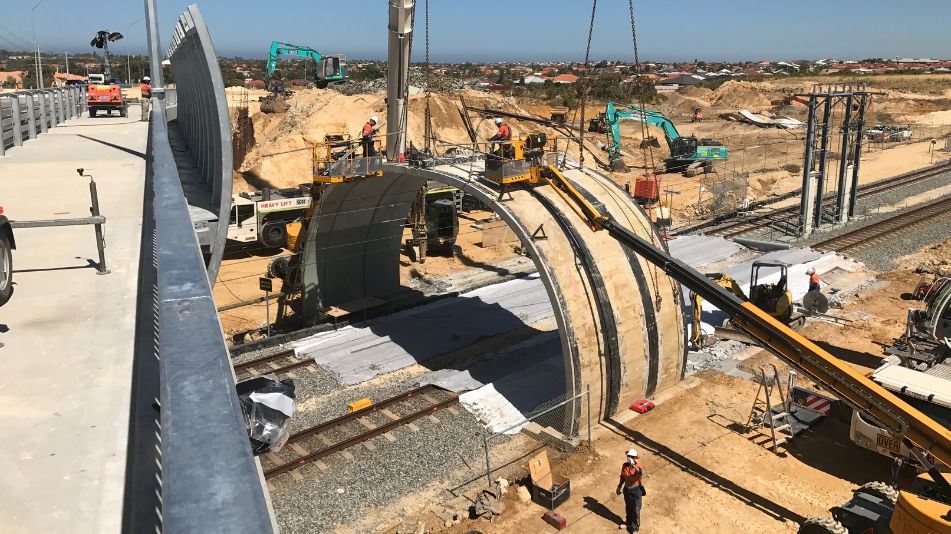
{"x":646,"y":148}
{"x":582,"y":87}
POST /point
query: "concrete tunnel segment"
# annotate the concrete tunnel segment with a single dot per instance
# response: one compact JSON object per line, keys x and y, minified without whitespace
{"x":621,"y":319}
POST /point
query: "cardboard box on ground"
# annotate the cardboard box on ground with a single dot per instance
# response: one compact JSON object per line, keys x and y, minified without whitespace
{"x":548,"y":489}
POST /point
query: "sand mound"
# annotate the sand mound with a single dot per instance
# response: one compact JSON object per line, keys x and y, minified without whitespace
{"x":695,"y":91}
{"x":744,"y":95}
{"x":678,"y":106}
{"x":283,"y":157}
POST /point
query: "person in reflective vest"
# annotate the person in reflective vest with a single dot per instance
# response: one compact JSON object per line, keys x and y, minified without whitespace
{"x":366,"y":137}
{"x":146,"y":87}
{"x":504,"y":134}
{"x":631,"y":483}
{"x":813,"y":280}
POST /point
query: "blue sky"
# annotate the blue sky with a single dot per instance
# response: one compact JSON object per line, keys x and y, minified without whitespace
{"x":517,"y":30}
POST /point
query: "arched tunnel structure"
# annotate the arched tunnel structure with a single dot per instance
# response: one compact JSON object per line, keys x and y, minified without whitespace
{"x":621,"y":320}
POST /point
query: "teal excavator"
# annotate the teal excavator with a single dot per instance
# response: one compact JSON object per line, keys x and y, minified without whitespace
{"x":684,"y":151}
{"x":325,"y":69}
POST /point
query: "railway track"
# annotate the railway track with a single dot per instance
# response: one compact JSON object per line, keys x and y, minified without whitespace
{"x":343,"y":432}
{"x":279,"y":363}
{"x":787,"y":215}
{"x":872,"y":233}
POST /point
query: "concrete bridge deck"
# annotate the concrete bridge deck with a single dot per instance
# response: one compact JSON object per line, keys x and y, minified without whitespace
{"x":68,"y":334}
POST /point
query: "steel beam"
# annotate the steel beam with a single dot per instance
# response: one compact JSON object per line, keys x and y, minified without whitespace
{"x":843,"y":190}
{"x":806,"y":201}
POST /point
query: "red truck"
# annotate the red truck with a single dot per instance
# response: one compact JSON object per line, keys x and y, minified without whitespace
{"x":105,"y":97}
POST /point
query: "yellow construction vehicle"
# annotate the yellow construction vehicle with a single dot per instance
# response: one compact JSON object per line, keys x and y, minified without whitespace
{"x":924,"y":507}
{"x":775,"y":299}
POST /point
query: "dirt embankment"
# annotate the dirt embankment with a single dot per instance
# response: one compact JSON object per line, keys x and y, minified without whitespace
{"x":282,"y":157}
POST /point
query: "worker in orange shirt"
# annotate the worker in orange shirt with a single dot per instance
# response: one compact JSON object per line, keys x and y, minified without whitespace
{"x":813,"y":280}
{"x":366,"y":137}
{"x":503,"y":134}
{"x":146,"y":88}
{"x":631,"y":483}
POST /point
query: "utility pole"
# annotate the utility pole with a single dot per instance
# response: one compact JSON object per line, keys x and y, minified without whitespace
{"x":39,"y":58}
{"x":128,"y":69}
{"x":67,"y":60}
{"x":37,"y":62}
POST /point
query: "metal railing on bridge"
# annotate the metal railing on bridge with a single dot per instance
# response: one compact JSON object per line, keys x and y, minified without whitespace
{"x":190,"y":467}
{"x":26,"y":114}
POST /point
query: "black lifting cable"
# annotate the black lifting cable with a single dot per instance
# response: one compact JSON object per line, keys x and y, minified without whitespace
{"x":646,"y":147}
{"x":582,"y":90}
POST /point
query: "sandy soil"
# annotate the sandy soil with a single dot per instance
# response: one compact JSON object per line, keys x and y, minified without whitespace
{"x":705,"y":473}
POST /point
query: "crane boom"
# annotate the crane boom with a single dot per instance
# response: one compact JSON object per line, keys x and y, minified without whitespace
{"x":838,"y":377}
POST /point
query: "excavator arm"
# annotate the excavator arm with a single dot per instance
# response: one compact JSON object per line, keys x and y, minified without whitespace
{"x":279,"y":49}
{"x":836,"y":376}
{"x":613,"y":115}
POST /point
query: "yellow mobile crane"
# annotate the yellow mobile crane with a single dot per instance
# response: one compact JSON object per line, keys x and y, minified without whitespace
{"x":923,"y":508}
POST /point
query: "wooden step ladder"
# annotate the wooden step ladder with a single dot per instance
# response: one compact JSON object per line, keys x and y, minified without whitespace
{"x":761,"y":414}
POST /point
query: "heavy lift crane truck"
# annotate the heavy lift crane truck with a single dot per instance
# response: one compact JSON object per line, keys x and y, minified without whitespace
{"x":923,"y":508}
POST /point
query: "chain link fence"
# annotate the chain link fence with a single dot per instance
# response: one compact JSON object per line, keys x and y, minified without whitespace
{"x":562,"y":423}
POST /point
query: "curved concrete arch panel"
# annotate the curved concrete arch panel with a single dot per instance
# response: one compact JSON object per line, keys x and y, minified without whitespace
{"x":621,"y":319}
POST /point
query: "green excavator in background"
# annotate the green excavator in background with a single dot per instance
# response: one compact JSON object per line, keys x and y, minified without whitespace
{"x":685,"y":152}
{"x":325,"y":70}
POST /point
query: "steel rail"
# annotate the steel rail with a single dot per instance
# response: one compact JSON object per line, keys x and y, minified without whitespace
{"x":363,"y":436}
{"x":785,"y":214}
{"x":878,"y":230}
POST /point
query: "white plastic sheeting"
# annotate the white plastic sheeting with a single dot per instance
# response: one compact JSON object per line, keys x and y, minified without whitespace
{"x":359,"y":352}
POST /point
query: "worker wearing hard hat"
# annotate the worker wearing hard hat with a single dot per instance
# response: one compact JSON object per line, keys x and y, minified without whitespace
{"x":504,"y":134}
{"x":366,"y":136}
{"x":146,"y":101}
{"x":813,"y":280}
{"x":146,"y":87}
{"x":631,"y":483}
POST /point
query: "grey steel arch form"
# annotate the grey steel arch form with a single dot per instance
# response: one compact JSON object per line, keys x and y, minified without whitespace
{"x":620,"y":334}
{"x":203,"y":120}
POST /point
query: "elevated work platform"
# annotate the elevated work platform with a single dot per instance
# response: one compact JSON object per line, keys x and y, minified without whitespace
{"x":67,"y":332}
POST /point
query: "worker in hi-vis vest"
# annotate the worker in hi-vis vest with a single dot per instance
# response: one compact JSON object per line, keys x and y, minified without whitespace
{"x":631,"y":483}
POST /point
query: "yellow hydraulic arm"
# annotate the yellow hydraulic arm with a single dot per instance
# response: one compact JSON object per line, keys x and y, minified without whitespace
{"x":836,"y":376}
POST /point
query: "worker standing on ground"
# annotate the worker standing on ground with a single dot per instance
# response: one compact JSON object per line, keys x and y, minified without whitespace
{"x":813,"y":280}
{"x":366,"y":137}
{"x":504,"y":134}
{"x":631,"y":483}
{"x":146,"y":98}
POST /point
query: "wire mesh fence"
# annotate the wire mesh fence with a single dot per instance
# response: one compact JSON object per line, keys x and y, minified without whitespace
{"x":562,"y":422}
